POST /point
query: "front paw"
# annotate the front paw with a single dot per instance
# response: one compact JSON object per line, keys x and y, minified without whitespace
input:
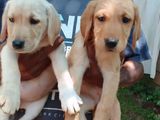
{"x":70,"y":101}
{"x":9,"y":100}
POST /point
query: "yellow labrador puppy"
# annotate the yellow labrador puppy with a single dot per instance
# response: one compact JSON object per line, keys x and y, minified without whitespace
{"x":105,"y":29}
{"x":31,"y":27}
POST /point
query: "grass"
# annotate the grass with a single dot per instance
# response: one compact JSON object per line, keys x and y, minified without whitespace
{"x":141,"y":101}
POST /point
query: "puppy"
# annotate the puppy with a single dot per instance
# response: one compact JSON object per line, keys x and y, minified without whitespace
{"x":30,"y":28}
{"x":104,"y":31}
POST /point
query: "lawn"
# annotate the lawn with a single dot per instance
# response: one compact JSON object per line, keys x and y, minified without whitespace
{"x":141,"y":101}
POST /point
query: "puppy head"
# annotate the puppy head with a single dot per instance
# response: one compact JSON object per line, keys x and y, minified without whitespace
{"x":29,"y":24}
{"x":110,"y":22}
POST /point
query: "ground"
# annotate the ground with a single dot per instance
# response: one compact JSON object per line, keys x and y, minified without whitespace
{"x":140,"y":101}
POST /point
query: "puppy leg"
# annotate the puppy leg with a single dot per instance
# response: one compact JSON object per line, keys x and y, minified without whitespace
{"x":32,"y":109}
{"x":116,"y":112}
{"x":109,"y":90}
{"x":70,"y":100}
{"x":78,"y":62}
{"x":10,"y":91}
{"x":88,"y":104}
{"x":77,"y":75}
{"x":71,"y":117}
{"x":77,"y":72}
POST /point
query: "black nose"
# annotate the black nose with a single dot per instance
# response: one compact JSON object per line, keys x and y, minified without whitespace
{"x":18,"y":44}
{"x":111,"y":42}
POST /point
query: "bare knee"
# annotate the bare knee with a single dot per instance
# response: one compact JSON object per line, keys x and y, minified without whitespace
{"x":130,"y":73}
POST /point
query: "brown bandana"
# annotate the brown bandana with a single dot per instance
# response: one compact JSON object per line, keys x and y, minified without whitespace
{"x":32,"y":65}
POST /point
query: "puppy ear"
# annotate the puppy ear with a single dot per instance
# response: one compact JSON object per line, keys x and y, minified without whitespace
{"x":4,"y":23}
{"x":54,"y":24}
{"x":87,"y":20}
{"x":137,"y":27}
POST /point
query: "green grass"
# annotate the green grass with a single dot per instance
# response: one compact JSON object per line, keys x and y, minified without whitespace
{"x":141,"y":101}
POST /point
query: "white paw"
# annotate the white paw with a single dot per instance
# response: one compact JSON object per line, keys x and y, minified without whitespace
{"x":9,"y":100}
{"x":70,"y":101}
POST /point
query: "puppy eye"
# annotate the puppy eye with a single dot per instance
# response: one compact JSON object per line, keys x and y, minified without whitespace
{"x":11,"y":20}
{"x":34,"y":21}
{"x":101,"y":18}
{"x":126,"y":20}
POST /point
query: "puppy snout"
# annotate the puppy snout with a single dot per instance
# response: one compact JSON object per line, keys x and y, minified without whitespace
{"x":111,"y":43}
{"x":18,"y":44}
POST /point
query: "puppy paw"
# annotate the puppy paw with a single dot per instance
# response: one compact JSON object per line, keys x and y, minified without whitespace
{"x":70,"y":101}
{"x":9,"y":100}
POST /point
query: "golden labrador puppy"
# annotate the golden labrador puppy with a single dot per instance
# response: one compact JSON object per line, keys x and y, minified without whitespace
{"x":105,"y":29}
{"x":31,"y":27}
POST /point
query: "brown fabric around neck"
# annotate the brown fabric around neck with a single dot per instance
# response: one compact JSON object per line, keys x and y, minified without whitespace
{"x":32,"y":65}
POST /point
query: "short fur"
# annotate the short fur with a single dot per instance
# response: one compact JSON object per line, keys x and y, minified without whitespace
{"x":93,"y":27}
{"x":18,"y":22}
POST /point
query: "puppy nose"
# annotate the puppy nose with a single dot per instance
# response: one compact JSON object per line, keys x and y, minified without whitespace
{"x":18,"y":44}
{"x":111,"y":42}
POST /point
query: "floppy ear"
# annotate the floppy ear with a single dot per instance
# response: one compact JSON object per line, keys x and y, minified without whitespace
{"x":87,"y":20}
{"x":137,"y":27}
{"x":4,"y":22}
{"x":54,"y":24}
